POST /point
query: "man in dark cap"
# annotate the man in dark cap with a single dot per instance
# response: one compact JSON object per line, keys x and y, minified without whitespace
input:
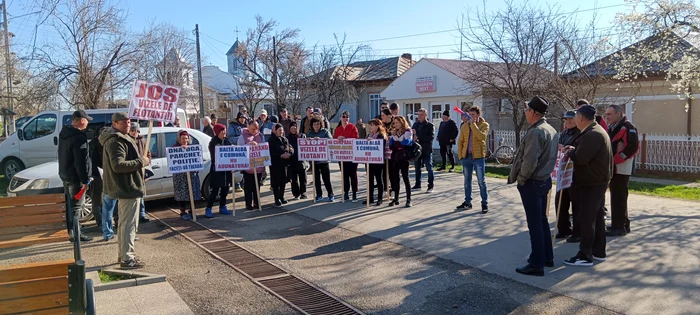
{"x":124,"y":180}
{"x":591,"y":154}
{"x":564,"y":226}
{"x":598,"y":119}
{"x":447,"y":134}
{"x":532,"y":170}
{"x":73,"y":165}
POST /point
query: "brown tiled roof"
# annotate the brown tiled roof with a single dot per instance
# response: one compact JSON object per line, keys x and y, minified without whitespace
{"x":377,"y":70}
{"x":681,"y":45}
{"x":455,"y":66}
{"x":496,"y":70}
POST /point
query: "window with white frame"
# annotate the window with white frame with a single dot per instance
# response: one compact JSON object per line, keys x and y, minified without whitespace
{"x":375,"y":102}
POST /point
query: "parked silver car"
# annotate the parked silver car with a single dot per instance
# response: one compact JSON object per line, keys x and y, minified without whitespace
{"x":44,"y":179}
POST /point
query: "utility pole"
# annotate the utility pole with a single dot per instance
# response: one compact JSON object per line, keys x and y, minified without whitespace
{"x":199,"y":74}
{"x":8,"y":65}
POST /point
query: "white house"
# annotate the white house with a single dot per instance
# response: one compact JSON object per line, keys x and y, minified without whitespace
{"x":434,"y":84}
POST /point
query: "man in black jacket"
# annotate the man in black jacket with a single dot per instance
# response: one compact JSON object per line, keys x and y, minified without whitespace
{"x":424,"y":134}
{"x":593,"y":165}
{"x":74,"y":165}
{"x":95,"y":153}
{"x":566,"y":137}
{"x":447,"y":134}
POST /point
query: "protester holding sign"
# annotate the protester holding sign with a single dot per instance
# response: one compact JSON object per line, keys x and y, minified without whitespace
{"x":123,"y":176}
{"x":346,"y":130}
{"x":180,"y":186}
{"x":135,"y":134}
{"x":322,"y":168}
{"x":296,"y":171}
{"x":400,"y":142}
{"x":566,"y":230}
{"x":280,"y":152}
{"x":219,"y":182}
{"x":593,"y":167}
{"x":376,"y":171}
{"x":251,"y":136}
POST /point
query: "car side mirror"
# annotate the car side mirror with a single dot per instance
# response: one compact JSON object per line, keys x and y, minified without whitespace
{"x":20,"y":134}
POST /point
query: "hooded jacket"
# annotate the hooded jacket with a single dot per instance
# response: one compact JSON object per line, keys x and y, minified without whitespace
{"x":73,"y":161}
{"x":624,"y":141}
{"x":234,"y":131}
{"x":122,"y":166}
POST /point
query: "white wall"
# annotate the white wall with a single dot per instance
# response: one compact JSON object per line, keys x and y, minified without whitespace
{"x":404,"y":87}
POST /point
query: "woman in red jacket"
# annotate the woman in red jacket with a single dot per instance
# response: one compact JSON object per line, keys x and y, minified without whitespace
{"x":346,"y":130}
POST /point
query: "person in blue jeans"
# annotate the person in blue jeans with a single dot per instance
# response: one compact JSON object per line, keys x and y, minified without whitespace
{"x":108,"y":206}
{"x":532,"y":169}
{"x":424,"y":134}
{"x":471,"y":148}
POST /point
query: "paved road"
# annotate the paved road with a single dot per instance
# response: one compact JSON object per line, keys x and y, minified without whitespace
{"x":654,"y":270}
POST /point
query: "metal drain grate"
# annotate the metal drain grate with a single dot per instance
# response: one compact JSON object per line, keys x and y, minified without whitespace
{"x":299,"y":294}
{"x":308,"y":298}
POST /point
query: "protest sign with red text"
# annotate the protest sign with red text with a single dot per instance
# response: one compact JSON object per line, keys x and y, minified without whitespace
{"x":153,"y":101}
{"x":313,"y":149}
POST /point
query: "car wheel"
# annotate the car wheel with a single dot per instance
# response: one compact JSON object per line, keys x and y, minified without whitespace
{"x":86,"y":209}
{"x":11,"y":167}
{"x":205,"y":188}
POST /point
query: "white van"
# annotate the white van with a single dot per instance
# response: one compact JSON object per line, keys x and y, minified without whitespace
{"x":36,"y":142}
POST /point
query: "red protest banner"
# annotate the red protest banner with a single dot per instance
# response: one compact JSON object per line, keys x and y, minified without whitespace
{"x":153,"y":101}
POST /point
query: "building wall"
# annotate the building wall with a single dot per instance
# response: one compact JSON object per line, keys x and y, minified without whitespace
{"x":695,"y":116}
{"x":363,"y":109}
{"x":660,"y":116}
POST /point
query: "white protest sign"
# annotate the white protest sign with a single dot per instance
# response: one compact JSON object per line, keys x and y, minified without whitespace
{"x":563,"y":172}
{"x":368,"y":151}
{"x":232,"y":158}
{"x":313,"y":149}
{"x":340,"y":150}
{"x":182,"y":160}
{"x":260,"y":155}
{"x":153,"y":101}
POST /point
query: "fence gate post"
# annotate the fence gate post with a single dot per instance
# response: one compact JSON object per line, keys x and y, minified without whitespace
{"x":644,"y":151}
{"x":76,"y":288}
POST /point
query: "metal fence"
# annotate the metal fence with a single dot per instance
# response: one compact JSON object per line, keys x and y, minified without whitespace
{"x":657,"y":152}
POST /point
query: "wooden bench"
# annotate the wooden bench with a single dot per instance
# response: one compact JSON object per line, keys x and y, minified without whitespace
{"x":29,"y":220}
{"x":40,"y":287}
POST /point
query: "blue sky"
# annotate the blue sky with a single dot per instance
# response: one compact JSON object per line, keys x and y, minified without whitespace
{"x":362,"y":20}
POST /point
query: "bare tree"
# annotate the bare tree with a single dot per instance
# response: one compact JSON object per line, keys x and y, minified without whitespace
{"x":272,"y":58}
{"x":251,"y":94}
{"x":93,"y":51}
{"x":167,"y":55}
{"x":512,"y":53}
{"x":332,"y":68}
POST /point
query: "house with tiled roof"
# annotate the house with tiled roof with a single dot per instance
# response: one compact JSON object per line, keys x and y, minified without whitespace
{"x":370,"y":78}
{"x":648,"y":98}
{"x":437,"y":86}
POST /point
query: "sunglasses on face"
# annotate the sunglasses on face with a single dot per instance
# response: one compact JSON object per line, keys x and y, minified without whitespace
{"x":346,"y":117}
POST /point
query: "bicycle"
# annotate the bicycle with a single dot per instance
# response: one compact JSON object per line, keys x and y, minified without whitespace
{"x":503,"y":155}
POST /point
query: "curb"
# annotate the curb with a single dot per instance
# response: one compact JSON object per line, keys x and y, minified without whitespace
{"x":140,"y":278}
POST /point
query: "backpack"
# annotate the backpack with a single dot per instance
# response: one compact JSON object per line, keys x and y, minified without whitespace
{"x":416,"y":152}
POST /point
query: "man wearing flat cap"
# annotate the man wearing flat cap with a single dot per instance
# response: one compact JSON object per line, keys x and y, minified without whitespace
{"x":532,"y":170}
{"x":73,"y":164}
{"x":123,"y":173}
{"x":592,"y":156}
{"x":564,"y":227}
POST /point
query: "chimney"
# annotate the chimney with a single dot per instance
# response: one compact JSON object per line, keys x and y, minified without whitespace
{"x":407,"y":56}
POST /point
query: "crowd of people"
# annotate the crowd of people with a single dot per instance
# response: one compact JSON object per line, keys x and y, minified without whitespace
{"x":601,"y":152}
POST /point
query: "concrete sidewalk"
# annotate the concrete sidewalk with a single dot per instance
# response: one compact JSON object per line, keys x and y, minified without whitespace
{"x":653,"y":270}
{"x":150,"y":299}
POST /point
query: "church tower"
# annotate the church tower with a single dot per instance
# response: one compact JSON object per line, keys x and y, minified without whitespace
{"x":235,"y":66}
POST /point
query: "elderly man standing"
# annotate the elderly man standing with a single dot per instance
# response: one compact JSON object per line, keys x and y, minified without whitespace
{"x":625,"y":145}
{"x":532,"y":171}
{"x":124,"y":181}
{"x":207,"y":129}
{"x":564,"y":226}
{"x":592,"y":158}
